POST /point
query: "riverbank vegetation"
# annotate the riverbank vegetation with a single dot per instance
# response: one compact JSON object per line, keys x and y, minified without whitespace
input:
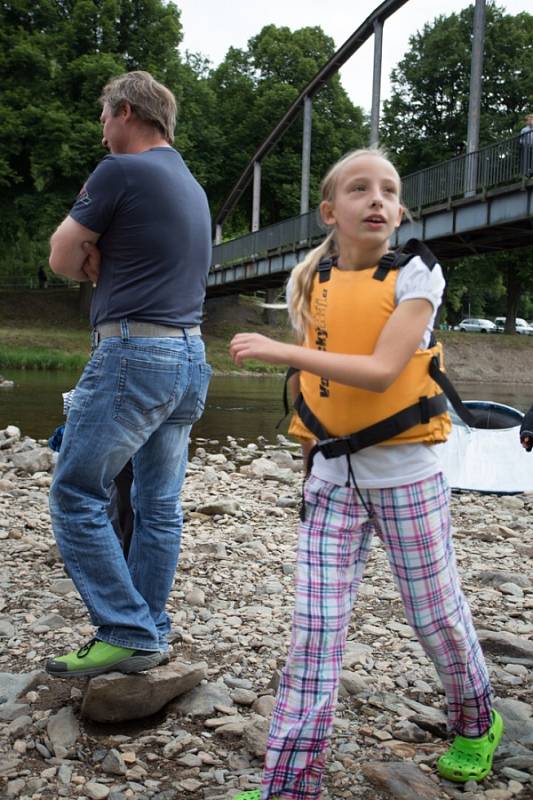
{"x":43,"y":329}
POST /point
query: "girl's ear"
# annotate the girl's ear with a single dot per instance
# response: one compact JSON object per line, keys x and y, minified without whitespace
{"x":326,"y":212}
{"x":401,"y":211}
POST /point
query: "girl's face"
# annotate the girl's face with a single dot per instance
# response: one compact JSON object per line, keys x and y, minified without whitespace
{"x":366,"y":207}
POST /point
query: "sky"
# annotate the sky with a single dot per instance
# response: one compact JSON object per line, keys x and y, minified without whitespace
{"x":211,"y":27}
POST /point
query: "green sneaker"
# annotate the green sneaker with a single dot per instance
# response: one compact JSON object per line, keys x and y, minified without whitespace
{"x":254,"y":795}
{"x":97,"y":657}
{"x":471,"y":759}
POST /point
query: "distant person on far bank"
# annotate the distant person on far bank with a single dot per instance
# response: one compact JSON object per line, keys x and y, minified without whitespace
{"x":140,"y":230}
{"x":526,"y":146}
{"x":41,"y":277}
{"x":526,"y":431}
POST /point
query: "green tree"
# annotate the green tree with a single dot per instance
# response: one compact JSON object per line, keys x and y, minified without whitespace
{"x":254,"y":88}
{"x":425,"y":121}
{"x":426,"y":118}
{"x":55,"y":58}
{"x":491,"y":285}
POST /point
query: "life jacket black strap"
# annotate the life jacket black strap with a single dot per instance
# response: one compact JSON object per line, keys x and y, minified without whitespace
{"x":399,"y":258}
{"x":419,"y":412}
{"x":287,"y":409}
{"x":442,"y":380}
{"x":309,"y":419}
{"x":325,"y":265}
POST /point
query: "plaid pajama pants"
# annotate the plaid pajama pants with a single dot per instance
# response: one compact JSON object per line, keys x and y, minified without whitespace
{"x":413,"y":522}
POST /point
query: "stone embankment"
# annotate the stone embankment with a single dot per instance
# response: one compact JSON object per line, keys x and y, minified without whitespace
{"x":195,"y":728}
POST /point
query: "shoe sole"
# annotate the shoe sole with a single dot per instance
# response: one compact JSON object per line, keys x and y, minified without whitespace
{"x":127,"y":666}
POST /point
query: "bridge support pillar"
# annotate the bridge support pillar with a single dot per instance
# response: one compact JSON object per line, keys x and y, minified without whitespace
{"x":306,"y":156}
{"x":256,"y":202}
{"x":271,"y":315}
{"x":376,"y":82}
{"x":474,"y":105}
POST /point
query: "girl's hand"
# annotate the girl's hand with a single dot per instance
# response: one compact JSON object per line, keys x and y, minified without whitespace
{"x":254,"y":345}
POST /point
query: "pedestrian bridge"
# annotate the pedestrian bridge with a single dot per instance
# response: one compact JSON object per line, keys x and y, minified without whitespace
{"x":477,"y":203}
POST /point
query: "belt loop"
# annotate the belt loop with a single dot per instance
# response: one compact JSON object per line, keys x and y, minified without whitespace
{"x":186,"y":335}
{"x":124,"y":331}
{"x":95,"y":340}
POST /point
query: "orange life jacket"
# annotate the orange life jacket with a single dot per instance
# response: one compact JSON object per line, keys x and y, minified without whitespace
{"x":349,"y":310}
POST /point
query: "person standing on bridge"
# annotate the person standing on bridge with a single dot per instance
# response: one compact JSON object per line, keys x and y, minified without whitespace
{"x":147,"y":379}
{"x":365,"y":318}
{"x":526,"y":146}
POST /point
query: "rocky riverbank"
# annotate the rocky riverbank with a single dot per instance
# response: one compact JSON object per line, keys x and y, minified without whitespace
{"x":230,"y":608}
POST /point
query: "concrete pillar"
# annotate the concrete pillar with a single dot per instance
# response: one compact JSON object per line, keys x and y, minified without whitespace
{"x":270,"y":315}
{"x":474,"y":105}
{"x":218,"y":233}
{"x":256,"y":202}
{"x":306,"y":156}
{"x":376,"y":82}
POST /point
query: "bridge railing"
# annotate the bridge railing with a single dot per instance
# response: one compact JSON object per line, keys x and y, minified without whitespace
{"x":494,"y":165}
{"x":290,"y":234}
{"x":497,"y":164}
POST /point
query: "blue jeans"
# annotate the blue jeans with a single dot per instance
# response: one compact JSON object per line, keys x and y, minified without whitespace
{"x":137,"y":398}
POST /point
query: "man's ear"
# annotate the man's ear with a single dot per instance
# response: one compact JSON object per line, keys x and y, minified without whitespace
{"x":126,"y":111}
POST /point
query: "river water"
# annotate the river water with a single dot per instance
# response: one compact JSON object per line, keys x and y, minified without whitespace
{"x":240,"y":406}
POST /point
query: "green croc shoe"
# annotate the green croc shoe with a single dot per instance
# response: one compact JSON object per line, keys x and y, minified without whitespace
{"x":471,"y":759}
{"x":98,"y":657}
{"x":254,"y":795}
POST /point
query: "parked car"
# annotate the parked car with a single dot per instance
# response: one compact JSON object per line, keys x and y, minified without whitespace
{"x":521,"y":326}
{"x":479,"y":325}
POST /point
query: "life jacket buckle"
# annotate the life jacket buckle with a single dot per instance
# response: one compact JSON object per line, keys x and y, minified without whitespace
{"x":338,"y":446}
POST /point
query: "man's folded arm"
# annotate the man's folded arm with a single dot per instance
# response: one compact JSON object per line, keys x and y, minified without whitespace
{"x":67,"y":255}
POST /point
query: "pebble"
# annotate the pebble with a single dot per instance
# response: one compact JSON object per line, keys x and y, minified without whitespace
{"x":230,"y":609}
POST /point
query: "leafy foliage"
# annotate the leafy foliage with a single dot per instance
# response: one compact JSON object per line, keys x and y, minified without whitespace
{"x":425,"y":120}
{"x":55,"y":57}
{"x":254,"y":87}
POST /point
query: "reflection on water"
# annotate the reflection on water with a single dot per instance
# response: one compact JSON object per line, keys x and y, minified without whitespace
{"x":239,"y":406}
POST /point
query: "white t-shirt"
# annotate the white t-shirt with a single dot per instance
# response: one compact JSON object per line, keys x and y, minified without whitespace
{"x":395,"y":465}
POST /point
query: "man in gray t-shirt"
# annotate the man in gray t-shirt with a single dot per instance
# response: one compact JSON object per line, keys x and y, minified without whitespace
{"x":140,"y":230}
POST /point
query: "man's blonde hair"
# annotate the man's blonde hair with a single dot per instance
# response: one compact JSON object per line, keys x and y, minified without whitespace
{"x":303,"y":274}
{"x":150,"y":100}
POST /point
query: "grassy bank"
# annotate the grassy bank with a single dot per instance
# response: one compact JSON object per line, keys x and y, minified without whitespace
{"x":43,"y":329}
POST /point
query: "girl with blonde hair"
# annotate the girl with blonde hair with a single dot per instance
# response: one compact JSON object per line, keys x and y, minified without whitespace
{"x":369,"y":414}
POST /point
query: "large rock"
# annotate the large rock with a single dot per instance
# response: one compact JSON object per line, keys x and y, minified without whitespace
{"x":203,"y":700}
{"x":495,"y":578}
{"x":38,"y":459}
{"x":501,"y":643}
{"x":63,"y":730}
{"x":224,"y":505}
{"x":115,"y":697}
{"x":352,"y":683}
{"x":13,"y":685}
{"x":518,"y":720}
{"x":401,"y":781}
{"x":256,"y":734}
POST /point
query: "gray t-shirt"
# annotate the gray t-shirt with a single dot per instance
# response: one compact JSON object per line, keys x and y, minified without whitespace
{"x":155,"y":242}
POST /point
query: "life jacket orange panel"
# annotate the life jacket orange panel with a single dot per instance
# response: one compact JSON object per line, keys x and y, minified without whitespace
{"x":349,"y":312}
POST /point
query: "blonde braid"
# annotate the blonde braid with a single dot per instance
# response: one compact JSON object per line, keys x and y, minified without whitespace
{"x":302,"y":278}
